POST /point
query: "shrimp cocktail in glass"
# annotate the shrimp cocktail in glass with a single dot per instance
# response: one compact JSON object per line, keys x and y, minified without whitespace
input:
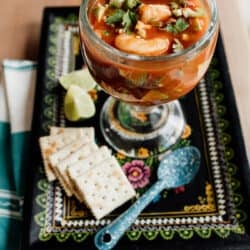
{"x":146,"y":54}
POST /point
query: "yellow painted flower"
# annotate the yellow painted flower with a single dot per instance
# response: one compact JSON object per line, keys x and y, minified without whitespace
{"x":186,"y":132}
{"x":120,"y":156}
{"x":143,"y":153}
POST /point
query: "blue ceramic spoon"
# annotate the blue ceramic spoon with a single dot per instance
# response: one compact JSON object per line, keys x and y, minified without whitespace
{"x":176,"y":169}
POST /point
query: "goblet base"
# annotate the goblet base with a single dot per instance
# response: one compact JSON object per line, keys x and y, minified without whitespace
{"x":138,"y":131}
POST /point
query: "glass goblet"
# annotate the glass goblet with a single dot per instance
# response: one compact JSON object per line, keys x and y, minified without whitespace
{"x":143,"y":113}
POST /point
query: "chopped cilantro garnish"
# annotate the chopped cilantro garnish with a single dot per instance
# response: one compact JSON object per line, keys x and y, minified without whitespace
{"x":125,"y":4}
{"x":116,"y":3}
{"x":129,"y":20}
{"x":179,"y":26}
{"x":123,"y":14}
{"x":198,"y":12}
{"x":116,"y":17}
{"x":130,"y":4}
{"x":99,"y":12}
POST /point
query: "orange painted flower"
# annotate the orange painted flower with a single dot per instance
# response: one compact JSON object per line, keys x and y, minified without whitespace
{"x":143,"y":153}
{"x":120,"y":156}
{"x":93,"y":94}
{"x":186,"y":132}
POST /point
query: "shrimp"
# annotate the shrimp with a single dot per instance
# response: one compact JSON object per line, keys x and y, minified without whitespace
{"x":154,"y":13}
{"x":147,"y":47}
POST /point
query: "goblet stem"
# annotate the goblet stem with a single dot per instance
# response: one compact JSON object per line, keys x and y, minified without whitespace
{"x":132,"y":129}
{"x":142,"y":119}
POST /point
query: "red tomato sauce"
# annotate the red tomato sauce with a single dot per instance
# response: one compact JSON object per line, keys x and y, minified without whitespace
{"x":158,"y":82}
{"x":187,"y":38}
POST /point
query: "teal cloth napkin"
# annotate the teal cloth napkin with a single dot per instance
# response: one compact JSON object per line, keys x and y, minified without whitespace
{"x":16,"y":107}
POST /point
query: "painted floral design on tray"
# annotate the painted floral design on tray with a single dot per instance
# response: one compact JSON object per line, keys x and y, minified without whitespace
{"x":137,"y":173}
{"x":140,"y":171}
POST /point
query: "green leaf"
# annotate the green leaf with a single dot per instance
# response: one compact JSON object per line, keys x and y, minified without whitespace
{"x":129,"y":20}
{"x":41,"y":200}
{"x":133,"y":235}
{"x":40,"y":218}
{"x":79,"y":237}
{"x":130,"y":4}
{"x":171,"y":28}
{"x":204,"y":233}
{"x":240,"y":229}
{"x":167,"y":235}
{"x":116,"y":17}
{"x":43,"y":185}
{"x":99,"y":12}
{"x":223,"y":232}
{"x":180,"y":25}
{"x":188,"y":12}
{"x":150,"y":235}
{"x":62,"y":237}
{"x":186,"y":233}
{"x":44,"y":236}
{"x":116,"y":3}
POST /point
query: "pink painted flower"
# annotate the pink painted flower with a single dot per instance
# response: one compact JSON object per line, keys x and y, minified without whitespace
{"x":137,"y":172}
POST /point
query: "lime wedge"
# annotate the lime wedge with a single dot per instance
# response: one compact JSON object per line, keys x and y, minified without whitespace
{"x":78,"y":104}
{"x":81,"y":78}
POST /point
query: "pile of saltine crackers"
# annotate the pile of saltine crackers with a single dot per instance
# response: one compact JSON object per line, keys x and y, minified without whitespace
{"x":85,"y":170}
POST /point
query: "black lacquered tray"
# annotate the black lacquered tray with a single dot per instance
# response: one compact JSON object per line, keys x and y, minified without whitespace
{"x":212,"y":212}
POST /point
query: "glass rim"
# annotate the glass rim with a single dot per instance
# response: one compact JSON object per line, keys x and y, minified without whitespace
{"x":115,"y":52}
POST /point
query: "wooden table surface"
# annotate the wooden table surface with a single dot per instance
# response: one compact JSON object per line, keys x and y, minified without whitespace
{"x":20,"y":34}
